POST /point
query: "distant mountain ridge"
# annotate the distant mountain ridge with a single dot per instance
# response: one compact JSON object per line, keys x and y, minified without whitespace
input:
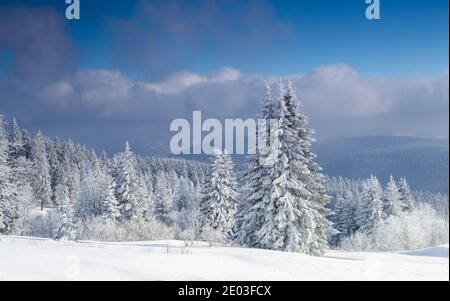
{"x":423,"y":161}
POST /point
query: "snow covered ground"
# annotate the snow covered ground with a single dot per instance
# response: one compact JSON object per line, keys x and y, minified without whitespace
{"x":24,"y":258}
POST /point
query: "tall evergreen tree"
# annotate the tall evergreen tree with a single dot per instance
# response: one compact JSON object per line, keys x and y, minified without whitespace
{"x":255,"y":196}
{"x":8,"y":189}
{"x":286,"y":203}
{"x":110,"y":205}
{"x":391,"y":199}
{"x":27,"y":143}
{"x":370,"y":210}
{"x":405,"y":199}
{"x":163,"y":198}
{"x":128,"y":193}
{"x":218,"y":204}
{"x":67,"y":228}
{"x":69,"y":175}
{"x":42,"y":181}
{"x":314,"y":180}
{"x":16,"y":142}
{"x":54,"y":161}
{"x":96,"y":197}
{"x":344,"y":217}
{"x":186,"y":205}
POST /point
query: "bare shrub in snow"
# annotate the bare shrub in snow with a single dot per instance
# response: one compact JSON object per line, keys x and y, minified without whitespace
{"x":97,"y":229}
{"x":357,"y":242}
{"x":39,"y":224}
{"x":214,"y":237}
{"x":140,"y":229}
{"x":133,"y":230}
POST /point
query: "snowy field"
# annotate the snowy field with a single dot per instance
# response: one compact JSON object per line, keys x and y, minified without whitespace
{"x":40,"y":259}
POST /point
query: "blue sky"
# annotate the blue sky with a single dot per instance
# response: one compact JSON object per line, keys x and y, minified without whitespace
{"x":222,"y":47}
{"x":410,"y":39}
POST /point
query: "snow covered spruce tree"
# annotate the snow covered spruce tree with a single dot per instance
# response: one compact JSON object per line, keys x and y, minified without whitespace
{"x":64,"y":207}
{"x":8,"y":192}
{"x":164,"y":195}
{"x":97,"y":196}
{"x":42,"y":180}
{"x":16,"y":142}
{"x":391,"y":199}
{"x":129,"y":195}
{"x":69,"y":174}
{"x":284,"y":208}
{"x":370,"y":210}
{"x":406,"y":198}
{"x":344,"y":217}
{"x":110,"y":205}
{"x":21,"y":167}
{"x":346,"y":196}
{"x":218,"y":205}
{"x":255,"y":197}
{"x":300,"y":141}
{"x":186,"y":207}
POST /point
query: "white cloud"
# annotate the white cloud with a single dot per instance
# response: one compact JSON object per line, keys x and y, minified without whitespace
{"x":58,"y":91}
{"x":103,"y":86}
{"x":339,"y":90}
{"x":338,"y":99}
{"x":180,"y":81}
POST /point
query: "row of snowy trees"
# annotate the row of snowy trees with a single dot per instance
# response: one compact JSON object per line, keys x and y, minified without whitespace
{"x":364,"y":213}
{"x":51,"y":188}
{"x":419,"y":228}
{"x":362,"y":205}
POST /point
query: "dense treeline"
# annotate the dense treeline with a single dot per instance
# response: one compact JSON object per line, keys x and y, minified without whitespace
{"x":370,"y":217}
{"x":59,"y":189}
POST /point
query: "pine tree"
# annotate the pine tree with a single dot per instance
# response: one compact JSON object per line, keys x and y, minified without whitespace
{"x":53,"y":156}
{"x":25,"y":207}
{"x":144,"y":195}
{"x":20,"y":165}
{"x":96,"y":197}
{"x":67,"y":228}
{"x":286,"y":208}
{"x":27,"y":143}
{"x":182,"y":198}
{"x":391,"y":199}
{"x":371,"y":208}
{"x":218,"y":204}
{"x":312,"y":177}
{"x":128,"y":193}
{"x":16,"y":142}
{"x":186,"y":207}
{"x":405,"y":199}
{"x":42,"y":180}
{"x":70,"y":175}
{"x":104,"y":161}
{"x":256,"y":193}
{"x":344,"y":217}
{"x":8,"y":189}
{"x":163,"y":199}
{"x":110,"y":205}
{"x":286,"y":227}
